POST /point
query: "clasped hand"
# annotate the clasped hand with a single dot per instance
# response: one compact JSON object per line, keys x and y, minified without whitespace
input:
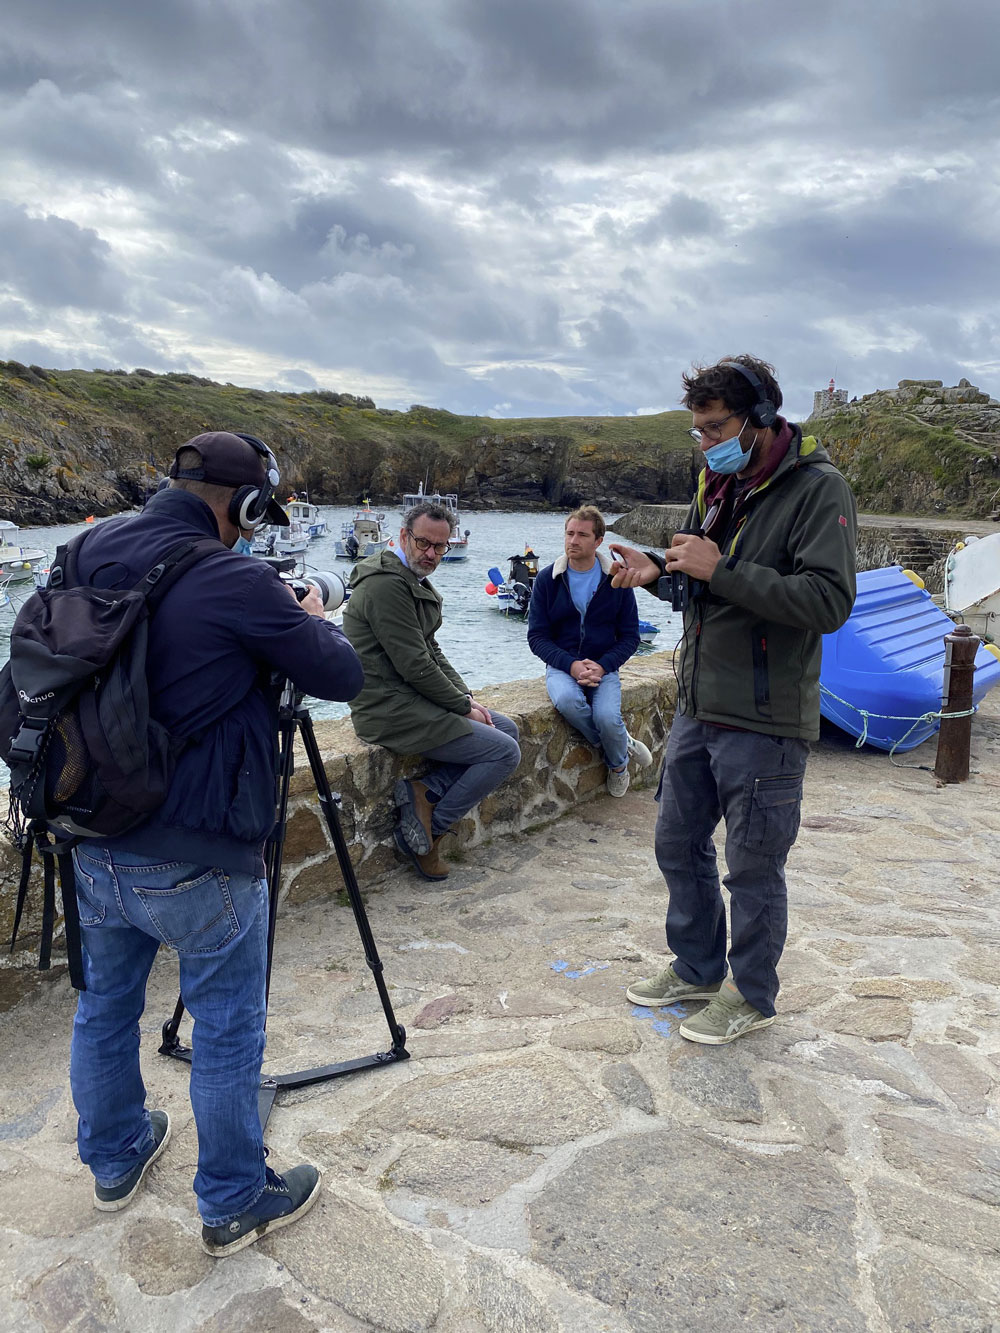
{"x":587,"y":672}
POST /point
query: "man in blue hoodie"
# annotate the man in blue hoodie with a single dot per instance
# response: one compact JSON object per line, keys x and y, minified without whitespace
{"x":583,"y":629}
{"x":192,"y":875}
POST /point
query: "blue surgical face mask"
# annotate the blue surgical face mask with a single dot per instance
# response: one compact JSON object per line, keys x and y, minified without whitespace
{"x":243,"y":547}
{"x":727,"y":456}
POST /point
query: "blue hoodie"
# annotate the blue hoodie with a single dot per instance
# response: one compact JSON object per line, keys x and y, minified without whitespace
{"x":214,"y":641}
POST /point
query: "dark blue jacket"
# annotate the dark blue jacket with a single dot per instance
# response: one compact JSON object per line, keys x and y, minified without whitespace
{"x":214,"y":641}
{"x":608,"y":634}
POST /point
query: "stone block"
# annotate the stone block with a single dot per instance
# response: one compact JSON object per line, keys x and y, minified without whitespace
{"x":738,"y":1239}
{"x":161,"y":1258}
{"x":965,"y":1083}
{"x":878,"y":1020}
{"x":591,"y":779}
{"x":915,"y":1292}
{"x":627,"y":1086}
{"x":72,"y":1296}
{"x":267,"y":1309}
{"x":957,"y":1164}
{"x":460,"y":1172}
{"x":304,"y":836}
{"x":597,"y":1034}
{"x":577,"y":756}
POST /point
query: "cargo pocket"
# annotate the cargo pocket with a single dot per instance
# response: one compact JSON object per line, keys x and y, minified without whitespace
{"x":773,"y":809}
{"x":195,"y":916}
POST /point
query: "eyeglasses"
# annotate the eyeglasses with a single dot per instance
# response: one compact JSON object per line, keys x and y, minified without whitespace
{"x":422,"y":544}
{"x":712,"y":430}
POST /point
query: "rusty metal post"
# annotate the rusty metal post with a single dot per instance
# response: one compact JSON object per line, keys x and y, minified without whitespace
{"x":955,"y":736}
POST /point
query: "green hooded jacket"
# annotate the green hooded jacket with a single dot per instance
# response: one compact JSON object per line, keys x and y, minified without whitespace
{"x":752,"y":644}
{"x":413,"y":699}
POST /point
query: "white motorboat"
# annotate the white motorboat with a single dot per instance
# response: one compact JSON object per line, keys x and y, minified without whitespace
{"x":272,"y":540}
{"x":362,"y":535}
{"x":17,"y":562}
{"x":459,"y":549}
{"x":972,"y":585}
{"x":302,"y":511}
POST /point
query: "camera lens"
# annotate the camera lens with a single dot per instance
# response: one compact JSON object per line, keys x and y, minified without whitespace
{"x":331,"y":588}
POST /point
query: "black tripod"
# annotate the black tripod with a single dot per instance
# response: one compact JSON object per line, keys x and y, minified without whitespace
{"x":292,"y":715}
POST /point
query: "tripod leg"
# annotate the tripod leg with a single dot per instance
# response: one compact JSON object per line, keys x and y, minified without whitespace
{"x":328,"y":803}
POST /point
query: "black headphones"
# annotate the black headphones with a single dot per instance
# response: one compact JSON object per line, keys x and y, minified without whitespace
{"x":248,"y":507}
{"x":763,"y":413}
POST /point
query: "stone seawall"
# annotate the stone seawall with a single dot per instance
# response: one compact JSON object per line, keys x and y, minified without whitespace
{"x":557,"y":772}
{"x":920,"y":544}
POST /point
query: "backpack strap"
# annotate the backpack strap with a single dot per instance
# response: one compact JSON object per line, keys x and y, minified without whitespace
{"x":22,"y":889}
{"x":162,"y":577}
{"x":71,"y":920}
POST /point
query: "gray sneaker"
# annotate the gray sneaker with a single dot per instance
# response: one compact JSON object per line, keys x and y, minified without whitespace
{"x":639,"y":752}
{"x":668,"y":988}
{"x":112,"y":1198}
{"x":617,"y":782}
{"x":726,"y":1018}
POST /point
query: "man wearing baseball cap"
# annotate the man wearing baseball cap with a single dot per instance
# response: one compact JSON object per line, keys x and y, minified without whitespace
{"x":192,"y":876}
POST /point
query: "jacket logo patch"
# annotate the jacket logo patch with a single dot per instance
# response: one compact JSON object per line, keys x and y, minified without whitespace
{"x":842,"y":521}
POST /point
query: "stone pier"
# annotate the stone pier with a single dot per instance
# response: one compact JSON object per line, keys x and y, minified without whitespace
{"x":552,"y":1159}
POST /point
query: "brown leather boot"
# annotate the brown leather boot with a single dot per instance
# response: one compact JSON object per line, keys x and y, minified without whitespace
{"x":432,"y":866}
{"x":413,"y":811}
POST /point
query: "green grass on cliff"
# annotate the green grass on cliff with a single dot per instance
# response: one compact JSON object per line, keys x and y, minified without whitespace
{"x":898,"y":465}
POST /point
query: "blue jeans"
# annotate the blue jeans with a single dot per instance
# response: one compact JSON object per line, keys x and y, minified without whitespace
{"x":217,"y":924}
{"x":595,"y":711}
{"x":754,"y":782}
{"x":465,"y":770}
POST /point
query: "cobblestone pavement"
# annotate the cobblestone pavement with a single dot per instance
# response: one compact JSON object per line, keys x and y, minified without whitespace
{"x":553,"y":1159}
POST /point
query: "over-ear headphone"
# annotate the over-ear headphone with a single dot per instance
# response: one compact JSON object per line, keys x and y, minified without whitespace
{"x":248,"y":507}
{"x":763,"y":413}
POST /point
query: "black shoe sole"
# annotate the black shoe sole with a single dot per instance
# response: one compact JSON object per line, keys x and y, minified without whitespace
{"x":413,"y":832}
{"x":411,"y":856}
{"x":273,"y":1224}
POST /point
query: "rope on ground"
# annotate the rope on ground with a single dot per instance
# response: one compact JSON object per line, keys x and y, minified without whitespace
{"x":866,"y":713}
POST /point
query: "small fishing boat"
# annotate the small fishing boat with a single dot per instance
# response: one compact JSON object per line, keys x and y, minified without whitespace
{"x":513,"y":593}
{"x":972,"y":585}
{"x":459,"y":548}
{"x":647,"y":631}
{"x":271,"y":540}
{"x":17,"y":562}
{"x":362,"y":535}
{"x":882,"y":676}
{"x":301,"y":510}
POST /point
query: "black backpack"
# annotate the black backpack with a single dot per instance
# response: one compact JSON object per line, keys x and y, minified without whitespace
{"x":85,"y":757}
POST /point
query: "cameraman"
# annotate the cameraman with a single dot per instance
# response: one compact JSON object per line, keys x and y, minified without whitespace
{"x":768,"y":552}
{"x":191,"y":876}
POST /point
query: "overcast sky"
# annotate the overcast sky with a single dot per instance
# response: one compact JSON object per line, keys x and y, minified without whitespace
{"x":507,"y":207}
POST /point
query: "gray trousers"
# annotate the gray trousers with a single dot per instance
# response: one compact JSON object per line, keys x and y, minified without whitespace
{"x":754,"y":783}
{"x":465,"y":770}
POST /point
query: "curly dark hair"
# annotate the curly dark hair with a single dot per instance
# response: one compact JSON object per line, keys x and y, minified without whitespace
{"x":704,"y":384}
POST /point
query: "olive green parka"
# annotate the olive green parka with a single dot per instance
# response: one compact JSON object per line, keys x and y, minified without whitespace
{"x":751,"y":648}
{"x":413,"y":698}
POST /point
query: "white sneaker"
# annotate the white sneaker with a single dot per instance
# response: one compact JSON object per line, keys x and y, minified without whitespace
{"x":617,"y":782}
{"x":639,"y":752}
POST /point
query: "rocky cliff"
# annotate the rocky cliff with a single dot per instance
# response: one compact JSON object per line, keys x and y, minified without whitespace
{"x":74,"y":443}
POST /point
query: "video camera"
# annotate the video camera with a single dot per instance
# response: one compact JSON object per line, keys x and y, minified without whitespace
{"x":331,"y":586}
{"x":678,"y":589}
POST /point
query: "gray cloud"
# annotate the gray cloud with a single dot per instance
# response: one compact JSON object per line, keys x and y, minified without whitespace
{"x":556,"y":204}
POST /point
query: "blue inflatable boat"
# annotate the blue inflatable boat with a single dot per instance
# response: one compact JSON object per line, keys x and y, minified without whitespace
{"x":883,"y":670}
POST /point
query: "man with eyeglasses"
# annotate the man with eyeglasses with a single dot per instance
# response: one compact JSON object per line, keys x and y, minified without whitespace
{"x":768,"y":554}
{"x":413,"y":700}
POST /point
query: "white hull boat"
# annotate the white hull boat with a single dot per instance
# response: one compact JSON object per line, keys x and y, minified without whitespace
{"x":972,"y":585}
{"x":17,"y":563}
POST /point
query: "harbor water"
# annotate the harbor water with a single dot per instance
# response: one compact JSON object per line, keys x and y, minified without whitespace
{"x":484,"y":646}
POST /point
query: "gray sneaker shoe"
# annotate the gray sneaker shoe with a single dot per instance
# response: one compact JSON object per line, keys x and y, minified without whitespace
{"x":726,"y":1018}
{"x":113,"y":1198}
{"x":617,"y":782}
{"x":639,"y":752}
{"x":668,"y":988}
{"x":284,"y":1200}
